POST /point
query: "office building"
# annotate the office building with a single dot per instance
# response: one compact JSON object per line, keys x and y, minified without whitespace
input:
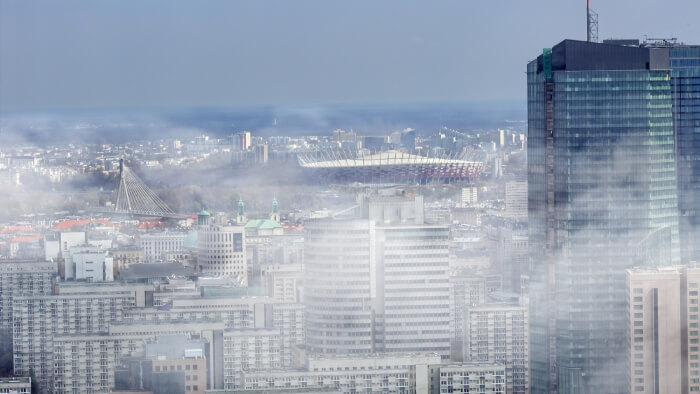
{"x":221,"y":251}
{"x":58,"y":242}
{"x":377,"y":280}
{"x":155,"y":245}
{"x":602,"y":198}
{"x":655,"y":314}
{"x":88,"y":263}
{"x":516,"y":200}
{"x":685,"y":90}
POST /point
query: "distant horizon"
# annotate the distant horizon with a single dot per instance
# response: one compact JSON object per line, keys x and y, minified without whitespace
{"x":123,"y":124}
{"x":246,"y":107}
{"x":177,"y":53}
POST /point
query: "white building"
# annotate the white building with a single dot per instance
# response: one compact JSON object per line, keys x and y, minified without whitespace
{"x":58,"y":243}
{"x":471,"y":378}
{"x":469,"y":195}
{"x":221,"y":251}
{"x":663,"y":329}
{"x":498,"y":333}
{"x":282,"y":282}
{"x":516,"y":200}
{"x":16,"y":385}
{"x":378,"y":373}
{"x":250,"y":350}
{"x":378,"y":281}
{"x":89,"y":263}
{"x":155,"y":245}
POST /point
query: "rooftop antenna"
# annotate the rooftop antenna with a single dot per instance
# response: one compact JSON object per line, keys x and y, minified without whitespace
{"x":591,"y":24}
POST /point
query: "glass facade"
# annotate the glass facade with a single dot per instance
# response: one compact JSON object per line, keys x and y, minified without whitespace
{"x":685,"y":90}
{"x":602,"y":198}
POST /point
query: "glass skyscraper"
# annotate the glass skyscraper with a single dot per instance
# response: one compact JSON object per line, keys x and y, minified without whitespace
{"x":685,"y":91}
{"x":601,"y":199}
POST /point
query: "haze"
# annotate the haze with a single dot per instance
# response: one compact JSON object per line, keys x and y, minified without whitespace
{"x":136,"y":54}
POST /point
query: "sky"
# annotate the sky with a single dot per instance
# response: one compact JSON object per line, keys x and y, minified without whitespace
{"x":174,"y":53}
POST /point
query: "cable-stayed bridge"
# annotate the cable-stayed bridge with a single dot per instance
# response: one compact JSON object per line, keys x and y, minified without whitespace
{"x":135,"y":198}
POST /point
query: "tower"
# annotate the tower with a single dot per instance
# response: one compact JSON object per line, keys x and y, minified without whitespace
{"x":240,"y":213}
{"x":275,"y":212}
{"x":601,"y":180}
{"x":203,"y":218}
{"x":221,"y":249}
{"x":387,"y":270}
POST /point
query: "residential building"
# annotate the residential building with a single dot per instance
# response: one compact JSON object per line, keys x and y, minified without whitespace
{"x":21,"y":278}
{"x":16,"y":385}
{"x":498,"y":333}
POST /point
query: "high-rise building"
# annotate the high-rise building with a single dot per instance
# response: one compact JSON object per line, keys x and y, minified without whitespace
{"x":663,"y":354}
{"x":261,"y":153}
{"x":498,"y":333}
{"x":378,"y":280}
{"x":602,"y":198}
{"x":470,"y":195}
{"x":685,"y":90}
{"x":655,"y":316}
{"x":516,"y":200}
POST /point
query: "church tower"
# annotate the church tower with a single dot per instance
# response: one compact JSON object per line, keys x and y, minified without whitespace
{"x":275,"y":213}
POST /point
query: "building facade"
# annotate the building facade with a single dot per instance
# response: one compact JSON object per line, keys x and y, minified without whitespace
{"x":221,"y":251}
{"x":685,"y":90}
{"x":498,"y":333}
{"x":516,"y":200}
{"x":155,"y":245}
{"x":602,"y":198}
{"x":377,"y":281}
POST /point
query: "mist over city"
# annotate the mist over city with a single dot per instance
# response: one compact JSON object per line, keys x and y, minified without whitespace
{"x":325,"y":197}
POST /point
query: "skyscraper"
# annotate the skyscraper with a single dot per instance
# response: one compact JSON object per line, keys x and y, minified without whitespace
{"x":602,"y":198}
{"x":377,"y":280}
{"x":685,"y":92}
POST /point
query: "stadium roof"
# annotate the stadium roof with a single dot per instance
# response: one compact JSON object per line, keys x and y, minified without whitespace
{"x":388,"y":158}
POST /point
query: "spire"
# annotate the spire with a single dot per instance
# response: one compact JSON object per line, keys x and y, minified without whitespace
{"x":275,"y":213}
{"x":241,"y":206}
{"x":275,"y":205}
{"x":240,"y":213}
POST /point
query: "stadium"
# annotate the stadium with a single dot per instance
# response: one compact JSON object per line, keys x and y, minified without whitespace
{"x":388,"y":167}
